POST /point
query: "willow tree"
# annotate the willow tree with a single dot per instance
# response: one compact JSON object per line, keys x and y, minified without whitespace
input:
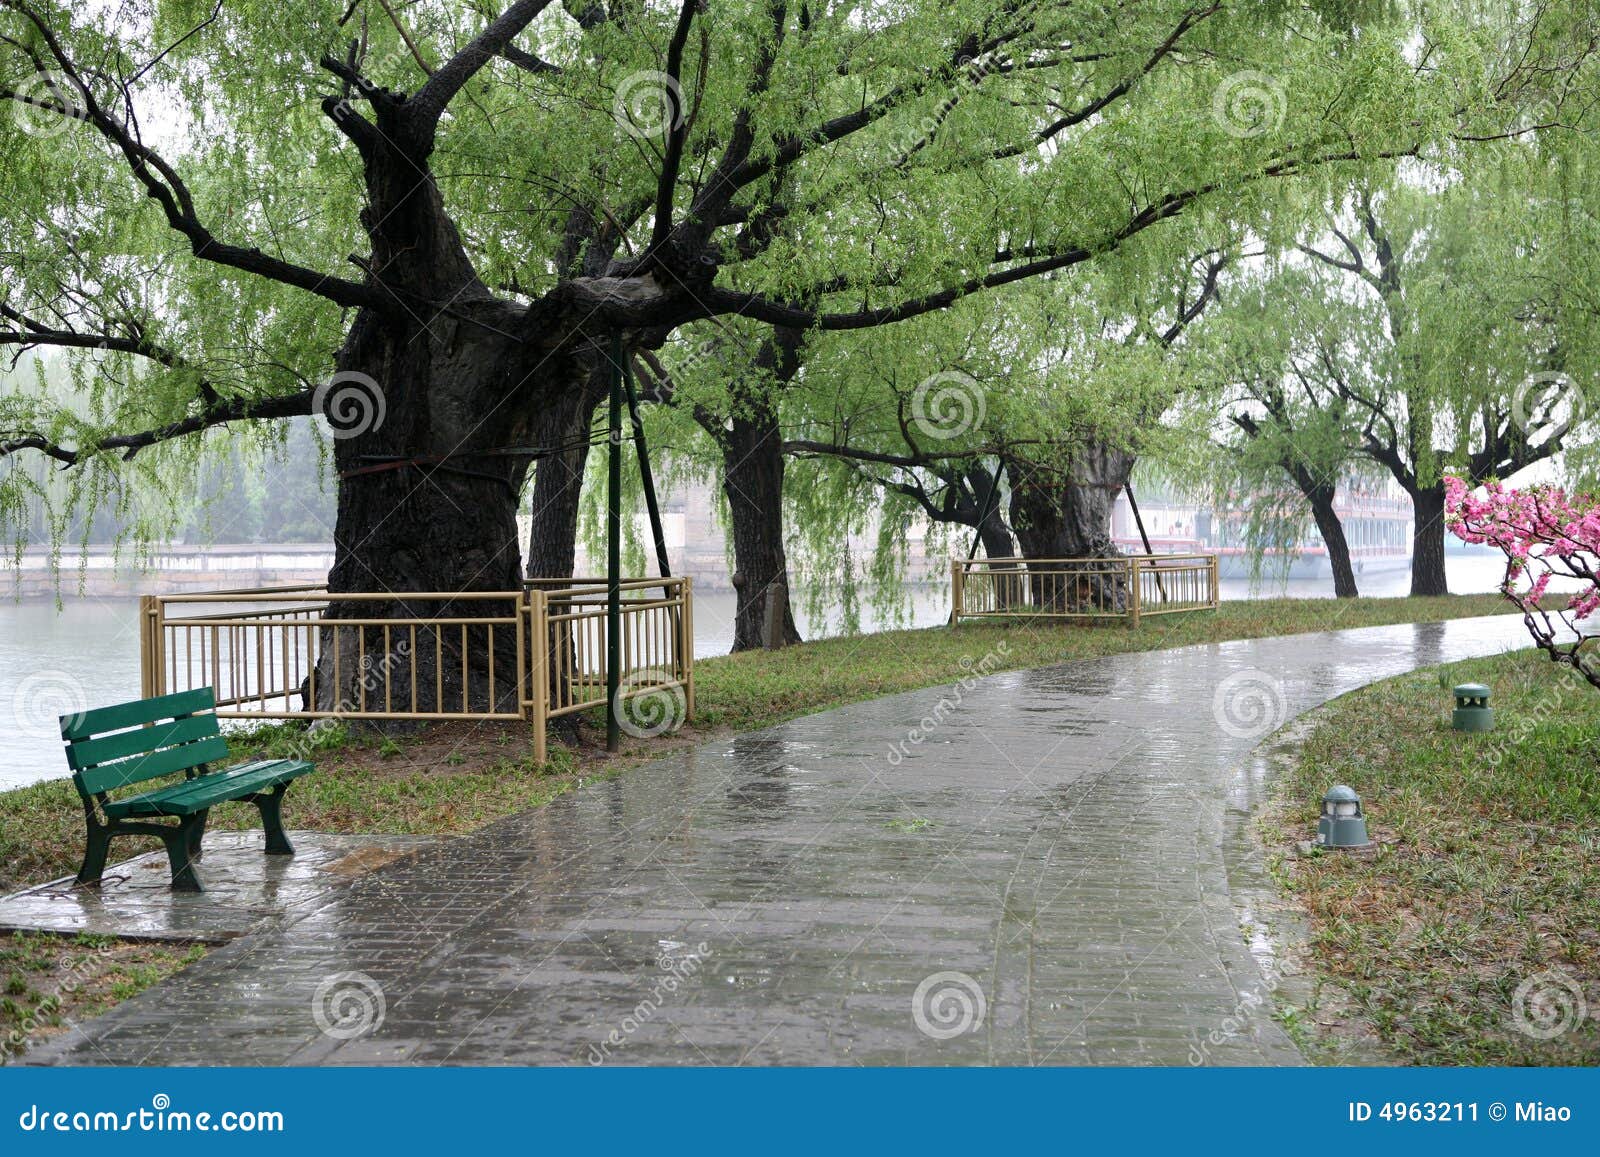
{"x":1011,"y":404}
{"x":432,"y":222}
{"x":1432,"y":333}
{"x":1253,"y":419}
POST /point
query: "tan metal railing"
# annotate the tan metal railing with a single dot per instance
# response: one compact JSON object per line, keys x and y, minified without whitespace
{"x":1125,"y":587}
{"x":304,"y":653}
{"x":657,"y":627}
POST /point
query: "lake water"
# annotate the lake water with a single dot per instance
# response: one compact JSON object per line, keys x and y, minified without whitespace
{"x":87,"y":654}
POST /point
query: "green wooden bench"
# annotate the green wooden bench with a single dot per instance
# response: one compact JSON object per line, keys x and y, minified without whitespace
{"x":133,"y":743}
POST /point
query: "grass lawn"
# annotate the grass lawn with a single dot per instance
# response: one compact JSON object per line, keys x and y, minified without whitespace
{"x":47,"y":981}
{"x":1487,"y":875}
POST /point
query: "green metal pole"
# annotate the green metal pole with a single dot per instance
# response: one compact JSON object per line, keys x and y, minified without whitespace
{"x":614,"y":549}
{"x":646,"y":477}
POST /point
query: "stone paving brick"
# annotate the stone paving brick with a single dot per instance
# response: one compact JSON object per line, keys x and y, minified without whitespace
{"x":1079,"y":868}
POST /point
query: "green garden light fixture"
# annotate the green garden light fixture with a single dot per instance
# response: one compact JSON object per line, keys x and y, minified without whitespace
{"x":1343,"y":824}
{"x":1472,"y":712}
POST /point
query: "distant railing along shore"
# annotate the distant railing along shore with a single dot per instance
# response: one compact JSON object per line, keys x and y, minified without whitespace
{"x":1125,"y":587}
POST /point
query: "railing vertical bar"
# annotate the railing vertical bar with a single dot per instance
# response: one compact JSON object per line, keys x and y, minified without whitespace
{"x":686,"y":656}
{"x":539,"y":640}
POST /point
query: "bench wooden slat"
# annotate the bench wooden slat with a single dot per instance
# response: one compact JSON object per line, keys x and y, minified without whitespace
{"x":137,"y":713}
{"x":207,"y":791}
{"x":138,"y":768}
{"x":83,"y":754}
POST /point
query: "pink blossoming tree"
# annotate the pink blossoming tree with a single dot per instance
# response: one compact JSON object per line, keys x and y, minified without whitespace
{"x":1546,"y":534}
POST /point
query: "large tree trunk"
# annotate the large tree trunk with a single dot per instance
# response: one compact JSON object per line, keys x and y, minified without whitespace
{"x":995,"y":537}
{"x":1319,"y":496}
{"x":1066,"y":514}
{"x":423,"y":405}
{"x":563,"y":427}
{"x":752,"y":455}
{"x":1344,"y":575}
{"x":993,"y":533}
{"x":1427,"y":541}
{"x":423,"y":505}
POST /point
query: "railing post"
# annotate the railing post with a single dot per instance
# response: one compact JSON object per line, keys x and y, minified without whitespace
{"x":1214,"y":587}
{"x":158,"y":646}
{"x":536,"y":623}
{"x":686,"y":647}
{"x":957,"y":593}
{"x":1133,"y":590}
{"x":147,"y":614}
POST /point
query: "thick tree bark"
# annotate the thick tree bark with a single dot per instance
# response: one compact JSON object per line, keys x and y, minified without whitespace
{"x":995,"y":537}
{"x":752,"y":479}
{"x":564,"y":427}
{"x":424,"y":504}
{"x":1344,"y":575}
{"x":424,"y":405}
{"x":993,"y":533}
{"x":1066,"y":514}
{"x":1427,"y":541}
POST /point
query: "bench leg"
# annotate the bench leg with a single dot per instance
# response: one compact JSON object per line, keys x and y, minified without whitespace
{"x":197,"y":834}
{"x":94,"y":855}
{"x":183,"y":838}
{"x":270,"y":806}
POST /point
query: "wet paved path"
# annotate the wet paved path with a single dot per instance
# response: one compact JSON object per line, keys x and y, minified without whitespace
{"x":1059,"y":836}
